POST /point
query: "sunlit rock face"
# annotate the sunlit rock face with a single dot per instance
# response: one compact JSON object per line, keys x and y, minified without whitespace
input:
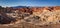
{"x":47,"y":15}
{"x":36,"y":15}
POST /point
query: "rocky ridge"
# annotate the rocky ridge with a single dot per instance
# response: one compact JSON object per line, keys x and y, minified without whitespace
{"x":34,"y":16}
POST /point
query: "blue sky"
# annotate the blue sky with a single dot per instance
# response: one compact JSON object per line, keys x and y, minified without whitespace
{"x":9,"y":3}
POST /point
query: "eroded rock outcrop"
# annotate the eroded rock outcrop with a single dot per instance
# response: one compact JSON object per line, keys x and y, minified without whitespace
{"x":33,"y":15}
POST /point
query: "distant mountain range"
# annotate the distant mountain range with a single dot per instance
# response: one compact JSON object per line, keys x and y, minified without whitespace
{"x":20,"y":6}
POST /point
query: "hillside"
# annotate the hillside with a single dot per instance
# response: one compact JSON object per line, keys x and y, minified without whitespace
{"x":30,"y":17}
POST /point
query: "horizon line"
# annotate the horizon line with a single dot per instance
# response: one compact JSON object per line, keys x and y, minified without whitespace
{"x":30,"y":6}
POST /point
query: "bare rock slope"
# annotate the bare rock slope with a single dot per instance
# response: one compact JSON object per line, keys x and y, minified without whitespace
{"x":34,"y":17}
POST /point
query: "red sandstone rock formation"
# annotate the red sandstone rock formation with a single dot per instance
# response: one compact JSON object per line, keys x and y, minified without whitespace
{"x":33,"y":15}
